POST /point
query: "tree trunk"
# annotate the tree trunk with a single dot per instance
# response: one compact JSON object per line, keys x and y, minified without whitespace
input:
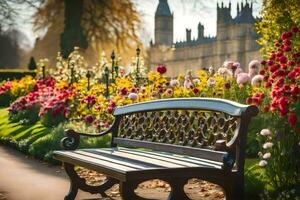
{"x":73,"y":32}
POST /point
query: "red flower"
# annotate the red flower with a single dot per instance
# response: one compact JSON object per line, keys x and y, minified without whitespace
{"x":274,"y":67}
{"x":89,"y":119}
{"x":291,"y":63}
{"x":286,"y":35}
{"x":262,"y":72}
{"x":161,"y":69}
{"x":279,"y":54}
{"x":110,"y":110}
{"x":266,"y":108}
{"x":283,"y":59}
{"x":292,"y":75}
{"x":292,"y":119}
{"x":287,"y":48}
{"x":124,"y":91}
{"x":287,"y":42}
{"x":268,"y":84}
{"x":263,"y":62}
{"x":295,"y":90}
{"x":294,"y":30}
{"x":196,"y":91}
{"x":249,"y":100}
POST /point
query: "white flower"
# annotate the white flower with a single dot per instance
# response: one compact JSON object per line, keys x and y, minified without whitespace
{"x":260,"y":154}
{"x":257,"y":80}
{"x":265,"y":132}
{"x":196,"y":82}
{"x":228,"y":64}
{"x":211,"y":82}
{"x":254,"y":64}
{"x":267,"y":156}
{"x":224,"y":71}
{"x":211,"y":70}
{"x":187,"y":83}
{"x":174,"y":83}
{"x":268,"y":145}
{"x":262,"y":163}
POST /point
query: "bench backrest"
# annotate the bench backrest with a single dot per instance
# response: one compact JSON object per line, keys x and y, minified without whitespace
{"x":201,"y":127}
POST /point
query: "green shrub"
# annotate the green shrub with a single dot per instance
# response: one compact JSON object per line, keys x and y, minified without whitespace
{"x":15,"y":74}
{"x":50,"y":120}
{"x":47,"y":144}
{"x":26,"y":117}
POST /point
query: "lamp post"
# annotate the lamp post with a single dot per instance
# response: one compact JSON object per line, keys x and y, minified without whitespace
{"x":138,"y":51}
{"x":113,"y":56}
{"x":88,"y":76}
{"x":106,"y":74}
{"x":72,"y":73}
{"x":44,"y":71}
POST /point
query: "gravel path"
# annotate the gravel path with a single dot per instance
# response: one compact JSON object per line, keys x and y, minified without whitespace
{"x":23,"y":178}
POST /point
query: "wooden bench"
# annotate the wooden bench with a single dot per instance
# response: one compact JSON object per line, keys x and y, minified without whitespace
{"x":172,"y":140}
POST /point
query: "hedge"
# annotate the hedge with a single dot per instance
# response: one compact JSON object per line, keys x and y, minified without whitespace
{"x":10,"y":74}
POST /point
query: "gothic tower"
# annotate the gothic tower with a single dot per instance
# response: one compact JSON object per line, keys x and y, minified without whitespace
{"x":163,"y":24}
{"x":224,"y":18}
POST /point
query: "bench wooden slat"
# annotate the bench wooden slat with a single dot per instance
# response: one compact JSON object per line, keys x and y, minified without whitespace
{"x":195,"y":152}
{"x":114,"y":159}
{"x":146,"y":158}
{"x":176,"y":157}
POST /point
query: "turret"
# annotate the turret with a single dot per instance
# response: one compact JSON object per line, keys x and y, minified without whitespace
{"x":223,"y":20}
{"x":163,"y":24}
{"x":244,"y":16}
{"x":224,"y":14}
{"x":200,"y":31}
{"x":188,"y":35}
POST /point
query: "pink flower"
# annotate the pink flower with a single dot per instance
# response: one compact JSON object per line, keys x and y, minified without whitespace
{"x":243,"y":78}
{"x":133,"y":96}
{"x":169,"y":92}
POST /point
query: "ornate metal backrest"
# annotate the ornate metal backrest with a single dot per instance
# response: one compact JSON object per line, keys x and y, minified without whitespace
{"x":192,"y":128}
{"x":186,"y":125}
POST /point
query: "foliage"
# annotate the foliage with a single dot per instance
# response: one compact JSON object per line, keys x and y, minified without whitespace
{"x":277,"y":16}
{"x":32,"y":64}
{"x":11,"y":90}
{"x":280,"y":98}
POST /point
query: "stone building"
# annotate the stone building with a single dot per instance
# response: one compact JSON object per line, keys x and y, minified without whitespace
{"x":235,"y":40}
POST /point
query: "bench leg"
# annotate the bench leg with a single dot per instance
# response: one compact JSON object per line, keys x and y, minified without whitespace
{"x":127,"y":191}
{"x":234,"y":191}
{"x":177,"y":190}
{"x":77,"y":182}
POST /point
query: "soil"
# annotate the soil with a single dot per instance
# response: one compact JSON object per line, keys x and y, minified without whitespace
{"x":195,"y":189}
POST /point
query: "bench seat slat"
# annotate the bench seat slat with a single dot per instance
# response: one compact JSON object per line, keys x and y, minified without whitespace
{"x":175,"y":157}
{"x":145,"y":158}
{"x":121,"y":162}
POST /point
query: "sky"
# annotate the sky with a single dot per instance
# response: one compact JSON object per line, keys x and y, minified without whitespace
{"x":187,"y":14}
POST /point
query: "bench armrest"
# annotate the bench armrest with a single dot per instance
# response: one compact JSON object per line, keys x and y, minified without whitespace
{"x":72,"y":138}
